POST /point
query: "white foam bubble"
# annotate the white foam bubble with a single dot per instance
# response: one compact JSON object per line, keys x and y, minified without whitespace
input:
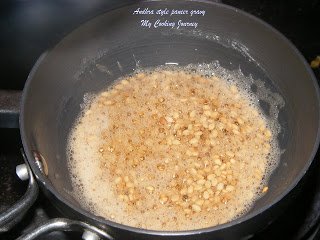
{"x":95,"y":191}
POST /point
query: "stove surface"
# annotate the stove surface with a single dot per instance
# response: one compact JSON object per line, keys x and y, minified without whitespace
{"x":298,"y":21}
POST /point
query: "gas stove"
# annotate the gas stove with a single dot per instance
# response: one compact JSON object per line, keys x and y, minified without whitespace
{"x":30,"y":27}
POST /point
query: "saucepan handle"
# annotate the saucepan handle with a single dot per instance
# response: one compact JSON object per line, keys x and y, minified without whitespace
{"x":9,"y":108}
{"x":10,"y":101}
{"x":63,"y":224}
{"x":14,"y":214}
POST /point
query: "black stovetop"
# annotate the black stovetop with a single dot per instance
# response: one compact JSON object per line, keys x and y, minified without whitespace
{"x":28,"y":28}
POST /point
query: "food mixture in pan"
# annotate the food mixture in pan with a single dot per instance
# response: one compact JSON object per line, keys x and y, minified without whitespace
{"x":172,"y":149}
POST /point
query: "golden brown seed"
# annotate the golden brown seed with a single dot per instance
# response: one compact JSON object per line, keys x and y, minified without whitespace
{"x":175,"y":142}
{"x":265,"y":189}
{"x":190,"y":189}
{"x":175,"y":115}
{"x":184,"y":192}
{"x":193,"y":171}
{"x":220,"y":186}
{"x":234,"y":89}
{"x":150,"y":189}
{"x":198,"y":133}
{"x":268,"y":133}
{"x":214,"y":182}
{"x":129,"y":184}
{"x":197,"y":187}
{"x":110,"y":148}
{"x":124,"y":82}
{"x":194,"y":153}
{"x":131,"y":197}
{"x":211,"y":126}
{"x":214,"y":134}
{"x":223,"y":166}
{"x":196,"y":208}
{"x":184,"y":204}
{"x":206,"y":107}
{"x":161,"y":167}
{"x":262,"y":128}
{"x":208,"y":184}
{"x":118,"y":87}
{"x":199,"y":202}
{"x":197,"y":165}
{"x":176,"y":126}
{"x":206,"y":195}
{"x":229,"y":177}
{"x":169,"y":119}
{"x":117,"y":180}
{"x":121,"y":197}
{"x":192,"y":114}
{"x":217,"y":161}
{"x":201,"y":182}
{"x":163,"y":199}
{"x":229,"y":188}
{"x":125,"y":198}
{"x":210,"y":177}
{"x":194,"y":141}
{"x":240,"y":121}
{"x":267,"y":146}
{"x":162,"y":121}
{"x":187,"y":210}
{"x":105,"y":94}
{"x":215,"y":115}
{"x":175,"y":198}
{"x":208,"y":113}
{"x":230,"y":154}
{"x":186,"y":132}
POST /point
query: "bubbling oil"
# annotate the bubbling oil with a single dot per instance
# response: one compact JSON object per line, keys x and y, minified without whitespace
{"x":174,"y":148}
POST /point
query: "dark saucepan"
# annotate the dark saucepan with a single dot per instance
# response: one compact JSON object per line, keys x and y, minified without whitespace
{"x":116,"y":39}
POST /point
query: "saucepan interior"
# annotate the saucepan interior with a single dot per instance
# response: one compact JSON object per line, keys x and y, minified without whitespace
{"x":117,"y":41}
